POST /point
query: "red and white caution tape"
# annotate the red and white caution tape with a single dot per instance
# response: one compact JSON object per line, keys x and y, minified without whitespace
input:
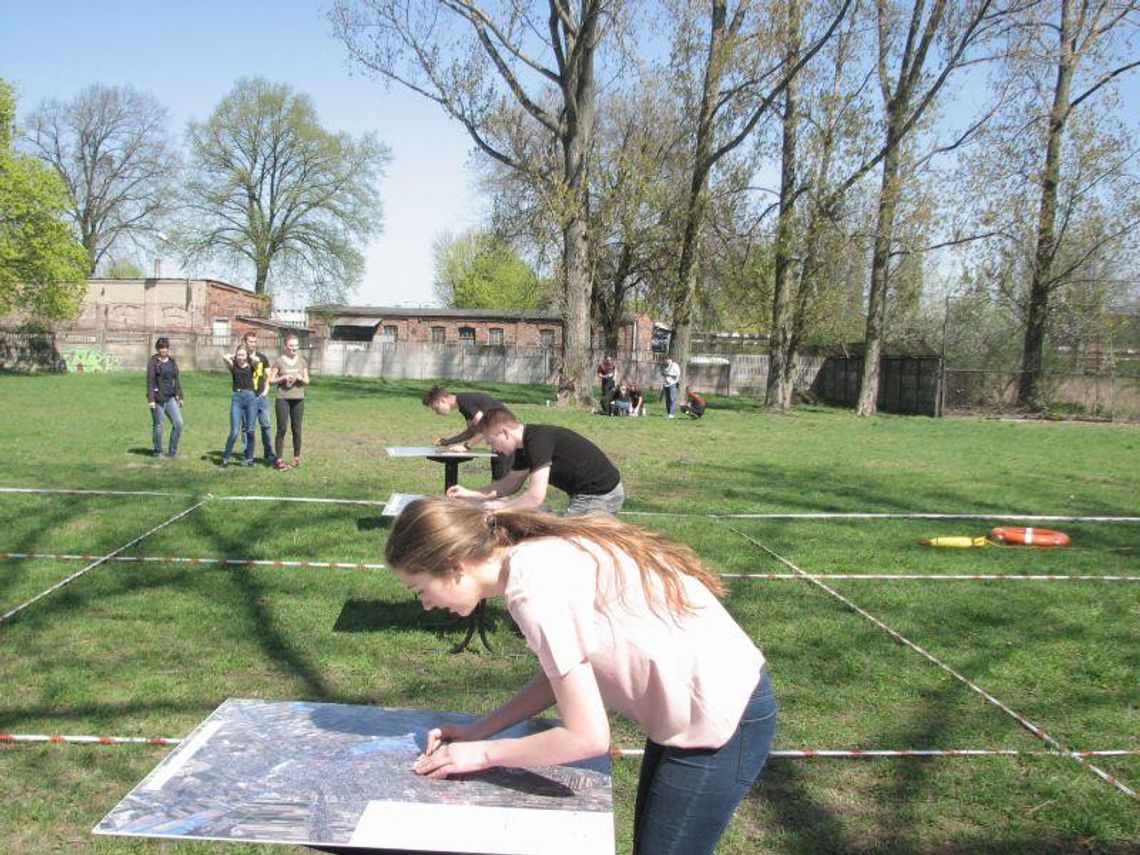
{"x":1036,"y":730}
{"x":88,"y":740}
{"x":12,"y":612}
{"x":308,"y":499}
{"x":179,"y":559}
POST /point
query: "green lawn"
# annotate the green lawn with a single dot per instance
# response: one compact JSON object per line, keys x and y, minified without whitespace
{"x":151,"y":648}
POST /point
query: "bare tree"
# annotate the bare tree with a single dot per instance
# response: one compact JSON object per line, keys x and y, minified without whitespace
{"x":111,"y":146}
{"x":911,"y":70}
{"x":742,"y":74}
{"x":501,"y":69}
{"x":1084,"y":63}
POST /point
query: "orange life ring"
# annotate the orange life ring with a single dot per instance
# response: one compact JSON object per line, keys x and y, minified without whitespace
{"x":1031,"y":536}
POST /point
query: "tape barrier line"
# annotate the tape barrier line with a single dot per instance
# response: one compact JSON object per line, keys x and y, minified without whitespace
{"x":934,"y":577}
{"x":179,"y":559}
{"x":55,"y":738}
{"x":885,"y":516}
{"x":1034,"y":729}
{"x":363,"y":565}
{"x":12,"y":612}
{"x":307,"y":499}
{"x":140,"y":493}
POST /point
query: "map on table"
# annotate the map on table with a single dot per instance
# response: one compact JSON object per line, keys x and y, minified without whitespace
{"x":432,"y":451}
{"x":340,"y":775}
{"x":397,"y":502}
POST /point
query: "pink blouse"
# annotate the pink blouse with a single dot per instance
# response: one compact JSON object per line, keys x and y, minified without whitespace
{"x":685,"y":679}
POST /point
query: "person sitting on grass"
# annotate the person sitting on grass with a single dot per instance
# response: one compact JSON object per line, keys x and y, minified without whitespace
{"x":472,"y":406}
{"x":622,"y":404}
{"x":545,"y":454}
{"x":621,"y":619}
{"x":695,"y":405}
{"x":636,"y":400}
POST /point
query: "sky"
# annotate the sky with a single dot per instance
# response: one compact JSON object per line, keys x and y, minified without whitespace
{"x":189,"y":54}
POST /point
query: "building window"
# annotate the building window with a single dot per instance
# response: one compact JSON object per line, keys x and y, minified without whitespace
{"x":222,"y":332}
{"x":390,"y":334}
{"x":438,"y":335}
{"x":546,"y":338}
{"x":495,"y":337}
{"x":467,"y":335}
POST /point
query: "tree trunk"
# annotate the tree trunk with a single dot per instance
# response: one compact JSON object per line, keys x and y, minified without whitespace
{"x":779,"y":355}
{"x":867,"y":404}
{"x":1033,"y":345}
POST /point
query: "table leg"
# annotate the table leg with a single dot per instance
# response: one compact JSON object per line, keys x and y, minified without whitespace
{"x":477,"y":620}
{"x":450,"y":474}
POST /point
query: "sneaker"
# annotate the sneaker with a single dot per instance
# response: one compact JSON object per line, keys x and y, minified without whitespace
{"x":281,"y":464}
{"x":157,"y":452}
{"x":225,"y":461}
{"x":172,"y":454}
{"x":247,"y":462}
{"x":669,"y":416}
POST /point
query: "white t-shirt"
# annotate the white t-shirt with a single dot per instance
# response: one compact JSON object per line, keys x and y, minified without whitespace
{"x":685,"y":680}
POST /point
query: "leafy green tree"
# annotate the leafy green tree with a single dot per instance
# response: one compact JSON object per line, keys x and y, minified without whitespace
{"x":273,"y":189}
{"x":478,"y":270}
{"x":42,"y":266}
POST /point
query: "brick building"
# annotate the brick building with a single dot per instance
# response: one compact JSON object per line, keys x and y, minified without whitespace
{"x":169,"y":306}
{"x":487,"y":327}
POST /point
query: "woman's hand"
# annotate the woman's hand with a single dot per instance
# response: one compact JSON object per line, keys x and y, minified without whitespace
{"x":449,"y":753}
{"x":455,"y":491}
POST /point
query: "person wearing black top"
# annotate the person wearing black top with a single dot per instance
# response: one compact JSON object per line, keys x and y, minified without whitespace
{"x":546,"y":455}
{"x":164,"y":394}
{"x":472,"y":406}
{"x":243,"y":403}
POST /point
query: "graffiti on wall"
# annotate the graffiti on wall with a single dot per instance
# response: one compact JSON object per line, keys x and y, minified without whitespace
{"x":85,"y":360}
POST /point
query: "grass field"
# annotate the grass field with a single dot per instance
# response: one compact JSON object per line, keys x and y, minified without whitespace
{"x":151,"y":648}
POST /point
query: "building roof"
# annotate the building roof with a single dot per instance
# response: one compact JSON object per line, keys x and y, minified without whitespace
{"x":382,"y":312}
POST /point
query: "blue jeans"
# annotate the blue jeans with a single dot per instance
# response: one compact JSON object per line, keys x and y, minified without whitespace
{"x":243,"y":413}
{"x":686,"y":796}
{"x":170,"y":410}
{"x":670,"y":399}
{"x":261,"y":407}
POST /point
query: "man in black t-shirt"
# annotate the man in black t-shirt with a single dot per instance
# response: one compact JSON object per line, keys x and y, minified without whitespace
{"x":472,"y":406}
{"x":546,"y":455}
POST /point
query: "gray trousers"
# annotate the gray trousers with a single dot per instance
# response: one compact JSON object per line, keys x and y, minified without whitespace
{"x":596,"y":503}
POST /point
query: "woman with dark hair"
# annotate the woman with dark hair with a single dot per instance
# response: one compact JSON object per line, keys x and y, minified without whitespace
{"x":620,"y":618}
{"x":243,"y":403}
{"x":164,"y":394}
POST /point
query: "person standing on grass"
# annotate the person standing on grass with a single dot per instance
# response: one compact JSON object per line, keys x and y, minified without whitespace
{"x":621,"y":619}
{"x":546,"y":454}
{"x":164,"y":394}
{"x":243,"y":403}
{"x":289,"y":375}
{"x":260,"y":364}
{"x":606,"y":371}
{"x":671,"y":376}
{"x":472,"y":406}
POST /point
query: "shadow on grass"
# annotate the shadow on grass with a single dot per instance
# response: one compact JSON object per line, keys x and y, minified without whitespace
{"x":405,"y":616}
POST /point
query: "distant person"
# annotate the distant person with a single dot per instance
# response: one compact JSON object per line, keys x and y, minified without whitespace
{"x":289,"y":375}
{"x":671,"y":376}
{"x":472,"y":406}
{"x":164,"y":394}
{"x":622,"y":403}
{"x":606,"y":371}
{"x":636,"y":400}
{"x":243,"y":404}
{"x":260,"y":364}
{"x":620,"y":618}
{"x":546,"y":455}
{"x":695,"y":405}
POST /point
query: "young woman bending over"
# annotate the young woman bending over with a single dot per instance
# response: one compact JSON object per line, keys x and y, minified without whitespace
{"x":620,"y":618}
